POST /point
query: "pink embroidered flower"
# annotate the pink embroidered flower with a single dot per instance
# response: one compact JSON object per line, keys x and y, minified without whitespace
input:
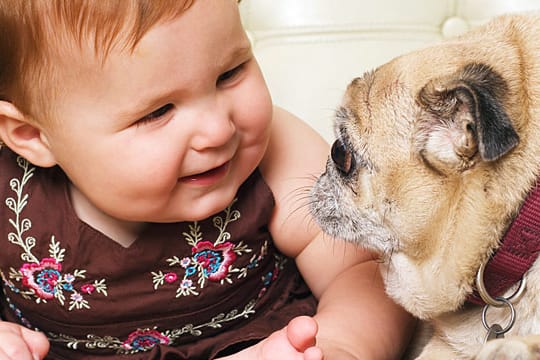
{"x":43,"y":277}
{"x":186,"y":284}
{"x":76,"y":297}
{"x":88,"y":288}
{"x":170,"y":277}
{"x":185,"y":262}
{"x":214,"y":260}
{"x":145,"y":339}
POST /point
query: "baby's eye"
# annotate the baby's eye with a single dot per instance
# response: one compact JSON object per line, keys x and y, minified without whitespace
{"x":155,"y":115}
{"x":230,"y":74}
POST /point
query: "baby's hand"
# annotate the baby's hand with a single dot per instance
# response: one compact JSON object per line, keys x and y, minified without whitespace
{"x":296,"y":341}
{"x":20,"y":343}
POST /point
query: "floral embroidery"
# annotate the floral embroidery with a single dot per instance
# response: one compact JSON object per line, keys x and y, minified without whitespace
{"x":214,"y":260}
{"x":209,"y":261}
{"x":42,"y":279}
{"x":270,"y":276}
{"x":88,"y":288}
{"x":170,"y":277}
{"x":142,"y":340}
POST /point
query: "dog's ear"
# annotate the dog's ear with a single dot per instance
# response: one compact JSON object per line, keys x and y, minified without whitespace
{"x":462,"y":116}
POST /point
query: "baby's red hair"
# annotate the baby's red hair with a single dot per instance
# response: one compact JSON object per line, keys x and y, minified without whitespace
{"x":35,"y":33}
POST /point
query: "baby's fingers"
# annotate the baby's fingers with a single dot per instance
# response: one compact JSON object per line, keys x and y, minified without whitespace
{"x":19,"y":343}
{"x":37,"y":343}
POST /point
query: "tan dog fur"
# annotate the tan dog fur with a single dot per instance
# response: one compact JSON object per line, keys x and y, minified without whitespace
{"x":433,"y":188}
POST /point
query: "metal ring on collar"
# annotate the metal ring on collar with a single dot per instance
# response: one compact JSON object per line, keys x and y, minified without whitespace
{"x":488,"y":299}
{"x":512,"y":316}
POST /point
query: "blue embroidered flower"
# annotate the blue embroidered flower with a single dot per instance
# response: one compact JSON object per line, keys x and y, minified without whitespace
{"x":210,"y":261}
{"x":191,"y":270}
{"x":67,"y":286}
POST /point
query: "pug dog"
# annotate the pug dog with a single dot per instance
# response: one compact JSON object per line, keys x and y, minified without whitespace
{"x":436,"y":167}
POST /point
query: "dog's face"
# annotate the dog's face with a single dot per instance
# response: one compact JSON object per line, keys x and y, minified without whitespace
{"x":421,"y":170}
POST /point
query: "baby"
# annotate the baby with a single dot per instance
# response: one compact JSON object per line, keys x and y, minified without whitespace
{"x":154,"y":200}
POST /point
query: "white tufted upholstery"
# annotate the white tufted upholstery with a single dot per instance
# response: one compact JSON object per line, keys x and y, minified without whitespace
{"x":309,"y":50}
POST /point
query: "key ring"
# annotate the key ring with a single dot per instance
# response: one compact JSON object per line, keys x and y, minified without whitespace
{"x":512,"y":316}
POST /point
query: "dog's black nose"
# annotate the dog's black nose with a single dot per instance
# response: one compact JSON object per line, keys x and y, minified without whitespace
{"x":342,"y":157}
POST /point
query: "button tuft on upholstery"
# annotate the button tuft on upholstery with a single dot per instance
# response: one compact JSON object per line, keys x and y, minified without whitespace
{"x":454,"y":26}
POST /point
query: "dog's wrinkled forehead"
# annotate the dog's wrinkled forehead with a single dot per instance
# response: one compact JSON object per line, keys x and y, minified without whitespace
{"x":375,"y":107}
{"x":356,"y":102}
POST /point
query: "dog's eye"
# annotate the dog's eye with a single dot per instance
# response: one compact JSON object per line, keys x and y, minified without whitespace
{"x":342,"y":157}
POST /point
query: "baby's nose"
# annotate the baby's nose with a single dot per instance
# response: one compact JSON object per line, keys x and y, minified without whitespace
{"x":215,"y":130}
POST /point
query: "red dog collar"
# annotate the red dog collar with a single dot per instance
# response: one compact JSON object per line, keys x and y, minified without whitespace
{"x":519,"y":249}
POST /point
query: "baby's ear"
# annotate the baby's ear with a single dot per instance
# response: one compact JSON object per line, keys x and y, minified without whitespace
{"x":24,"y":138}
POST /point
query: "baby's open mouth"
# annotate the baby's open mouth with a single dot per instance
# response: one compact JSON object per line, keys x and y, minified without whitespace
{"x":209,"y":176}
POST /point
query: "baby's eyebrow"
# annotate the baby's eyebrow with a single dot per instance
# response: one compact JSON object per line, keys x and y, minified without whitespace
{"x":239,"y":52}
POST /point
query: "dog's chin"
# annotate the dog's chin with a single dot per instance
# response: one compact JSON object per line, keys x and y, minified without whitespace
{"x":333,"y":208}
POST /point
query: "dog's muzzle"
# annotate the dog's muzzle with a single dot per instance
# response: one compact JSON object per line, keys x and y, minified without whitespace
{"x":343,"y":158}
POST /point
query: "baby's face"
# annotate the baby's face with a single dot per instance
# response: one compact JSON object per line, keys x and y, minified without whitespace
{"x":170,"y":131}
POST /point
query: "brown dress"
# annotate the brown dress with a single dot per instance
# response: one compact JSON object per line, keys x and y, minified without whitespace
{"x":190,"y":290}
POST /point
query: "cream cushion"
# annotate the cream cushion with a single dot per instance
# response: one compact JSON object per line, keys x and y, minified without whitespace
{"x":309,"y":50}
